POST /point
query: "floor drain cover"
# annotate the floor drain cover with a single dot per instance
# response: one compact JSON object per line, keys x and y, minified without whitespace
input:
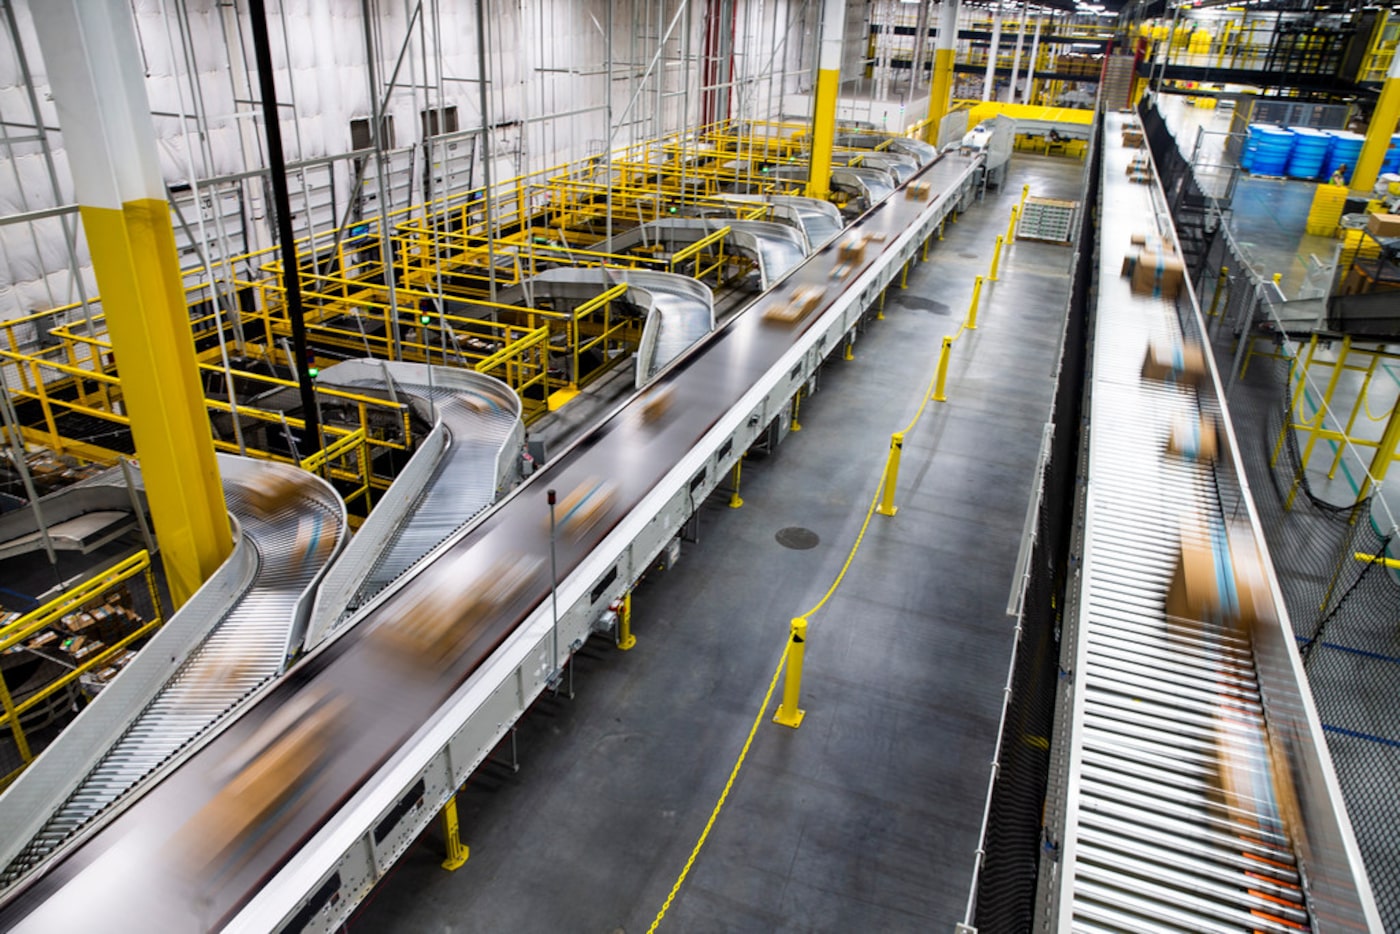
{"x":798,"y":538}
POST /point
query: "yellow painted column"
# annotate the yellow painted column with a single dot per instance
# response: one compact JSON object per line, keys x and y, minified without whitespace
{"x":100,"y":92}
{"x":1383,"y":120}
{"x":944,"y":52}
{"x":824,"y":108}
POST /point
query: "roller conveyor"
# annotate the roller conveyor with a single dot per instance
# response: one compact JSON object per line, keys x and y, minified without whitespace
{"x":475,"y":443}
{"x":1148,"y":841}
{"x":410,"y":736}
{"x":287,"y":550}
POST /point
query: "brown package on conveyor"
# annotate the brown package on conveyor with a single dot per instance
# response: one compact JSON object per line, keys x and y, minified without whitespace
{"x":1194,"y":438}
{"x":1158,"y":273}
{"x":804,"y":299}
{"x":1168,"y":361}
{"x":917,"y":191}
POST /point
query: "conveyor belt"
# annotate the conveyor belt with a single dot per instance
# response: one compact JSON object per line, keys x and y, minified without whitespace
{"x":1149,"y":842}
{"x":119,"y":873}
{"x":243,"y":650}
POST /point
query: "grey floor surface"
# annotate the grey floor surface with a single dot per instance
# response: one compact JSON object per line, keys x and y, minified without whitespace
{"x":867,"y":817}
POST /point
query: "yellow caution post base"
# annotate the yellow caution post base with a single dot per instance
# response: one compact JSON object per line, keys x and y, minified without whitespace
{"x":561,"y":397}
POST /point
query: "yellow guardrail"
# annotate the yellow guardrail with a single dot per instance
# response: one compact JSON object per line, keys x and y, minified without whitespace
{"x":89,"y":594}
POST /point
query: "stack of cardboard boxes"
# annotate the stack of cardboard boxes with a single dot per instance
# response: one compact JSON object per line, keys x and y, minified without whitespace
{"x":89,"y":632}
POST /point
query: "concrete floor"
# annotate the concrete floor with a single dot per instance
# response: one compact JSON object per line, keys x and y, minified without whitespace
{"x":867,"y":817}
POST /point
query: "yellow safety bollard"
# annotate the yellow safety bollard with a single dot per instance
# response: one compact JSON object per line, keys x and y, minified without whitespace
{"x":996,"y":258}
{"x":972,"y":310}
{"x":457,"y":854}
{"x":789,"y":714}
{"x":1278,"y":278}
{"x":1025,"y":190}
{"x":796,"y":405}
{"x":734,"y":501}
{"x":1011,"y":227}
{"x":1219,"y":287}
{"x":625,"y":639}
{"x":938,"y":395}
{"x":887,"y":506}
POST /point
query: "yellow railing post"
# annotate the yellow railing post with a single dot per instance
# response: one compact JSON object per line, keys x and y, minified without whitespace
{"x":1219,"y":288}
{"x":887,"y":506}
{"x":938,"y":395}
{"x":996,"y":259}
{"x":789,"y":714}
{"x":457,"y":853}
{"x":972,"y":309}
{"x":625,"y":639}
{"x":734,"y":499}
{"x":7,"y":703}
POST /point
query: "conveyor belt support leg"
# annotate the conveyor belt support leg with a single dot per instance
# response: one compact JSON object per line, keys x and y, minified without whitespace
{"x":796,"y":405}
{"x":734,"y":499}
{"x":789,"y":714}
{"x":625,"y":639}
{"x":457,"y":853}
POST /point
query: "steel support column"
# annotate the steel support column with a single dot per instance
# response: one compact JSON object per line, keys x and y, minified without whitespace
{"x":1383,"y":120}
{"x":100,"y":91}
{"x":828,"y":84}
{"x":944,"y":51}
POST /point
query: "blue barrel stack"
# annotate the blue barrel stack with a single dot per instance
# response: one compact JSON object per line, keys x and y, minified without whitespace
{"x":1309,"y":152}
{"x":1345,"y":149}
{"x":1273,"y":147}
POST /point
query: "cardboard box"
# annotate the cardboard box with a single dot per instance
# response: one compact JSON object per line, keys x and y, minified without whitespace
{"x":1195,"y":439}
{"x":1192,"y":593}
{"x":917,"y":191}
{"x":1383,"y":225}
{"x":1138,"y":239}
{"x":1158,"y":273}
{"x":45,"y":639}
{"x":1132,"y":138}
{"x":1167,"y":361}
{"x":851,"y":250}
{"x":804,"y":299}
{"x":1130,"y":263}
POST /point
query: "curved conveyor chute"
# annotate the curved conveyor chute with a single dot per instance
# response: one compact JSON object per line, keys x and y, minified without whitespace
{"x":920,"y":151}
{"x":231,"y":637}
{"x":470,"y":456}
{"x":679,"y":310}
{"x":82,"y":517}
{"x":902,"y":167}
{"x":777,"y":248}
